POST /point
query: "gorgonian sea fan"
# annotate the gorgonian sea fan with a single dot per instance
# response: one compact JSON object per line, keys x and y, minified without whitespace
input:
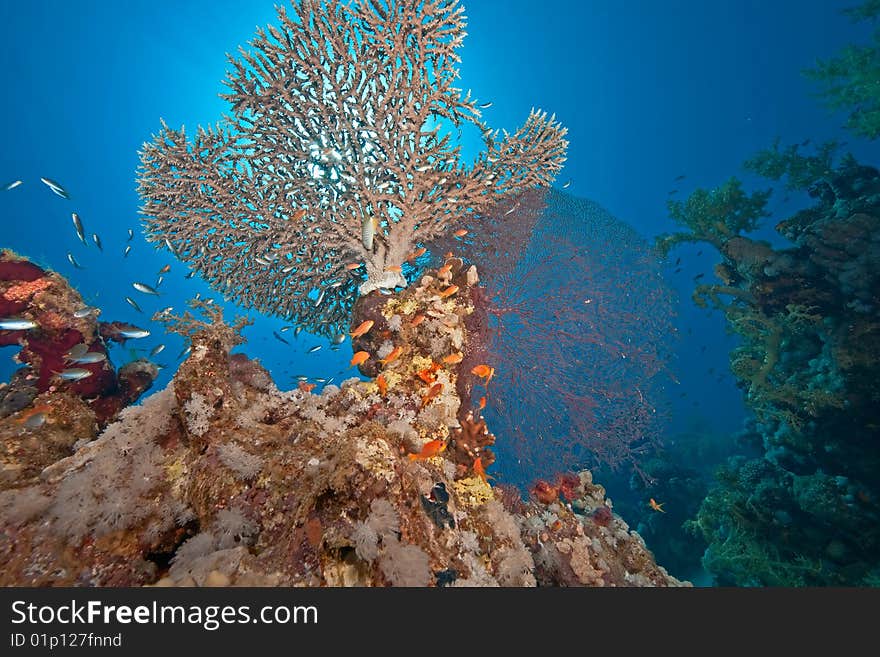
{"x":336,"y":154}
{"x":573,"y":314}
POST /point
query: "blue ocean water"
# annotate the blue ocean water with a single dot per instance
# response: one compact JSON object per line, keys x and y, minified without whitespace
{"x":649,"y":91}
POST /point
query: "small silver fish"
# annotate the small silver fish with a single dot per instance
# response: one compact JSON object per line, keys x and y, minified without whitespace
{"x":168,"y":244}
{"x":190,"y":275}
{"x":567,"y":184}
{"x":159,"y":281}
{"x":486,"y":105}
{"x":143,"y":287}
{"x":184,"y":353}
{"x":73,"y":261}
{"x":89,"y":358}
{"x":17,"y":324}
{"x":55,"y":187}
{"x":317,"y":347}
{"x":97,"y":241}
{"x":83,"y":312}
{"x":131,"y":302}
{"x":11,"y":185}
{"x":77,"y":224}
{"x":297,"y":331}
{"x":339,"y":338}
{"x":75,"y":374}
{"x":127,"y":251}
{"x":133,"y":332}
{"x":320,"y":379}
{"x":158,"y":349}
{"x":130,"y":234}
{"x":368,"y":231}
{"x":301,"y":377}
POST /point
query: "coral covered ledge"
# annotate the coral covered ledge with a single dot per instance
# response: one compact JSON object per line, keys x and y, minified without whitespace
{"x":223,"y":479}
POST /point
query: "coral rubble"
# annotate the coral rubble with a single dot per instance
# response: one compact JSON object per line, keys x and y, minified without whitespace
{"x":223,"y":479}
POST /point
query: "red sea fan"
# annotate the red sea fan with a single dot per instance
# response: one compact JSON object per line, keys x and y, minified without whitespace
{"x":575,"y":318}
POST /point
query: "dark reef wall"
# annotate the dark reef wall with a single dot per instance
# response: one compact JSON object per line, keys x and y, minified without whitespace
{"x":806,"y":512}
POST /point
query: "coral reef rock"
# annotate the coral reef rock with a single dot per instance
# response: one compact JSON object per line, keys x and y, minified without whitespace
{"x":67,"y":389}
{"x":223,"y":479}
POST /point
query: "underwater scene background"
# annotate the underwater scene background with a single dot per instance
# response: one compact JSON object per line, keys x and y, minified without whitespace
{"x":739,"y":438}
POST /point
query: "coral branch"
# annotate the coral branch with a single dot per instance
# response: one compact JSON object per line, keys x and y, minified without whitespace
{"x":336,"y":154}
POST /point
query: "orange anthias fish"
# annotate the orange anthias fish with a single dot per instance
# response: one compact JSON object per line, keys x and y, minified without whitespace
{"x":449,"y":291}
{"x":362,"y":329}
{"x":418,"y":319}
{"x":484,"y":372}
{"x":430,"y":450}
{"x":427,"y":374}
{"x":482,"y":403}
{"x":452,"y":359}
{"x":359,"y":358}
{"x":415,"y":254}
{"x":461,"y":232}
{"x":299,"y":214}
{"x":480,"y":470}
{"x":353,"y":265}
{"x":433,"y":392}
{"x":306,"y":387}
{"x":448,"y":254}
{"x":444,"y":270}
{"x":395,"y":353}
{"x":395,"y":268}
{"x":36,"y":410}
{"x":656,"y":506}
{"x":383,"y":384}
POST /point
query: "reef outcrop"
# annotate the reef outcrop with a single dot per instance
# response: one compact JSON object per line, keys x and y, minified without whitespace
{"x":223,"y":479}
{"x":67,"y":389}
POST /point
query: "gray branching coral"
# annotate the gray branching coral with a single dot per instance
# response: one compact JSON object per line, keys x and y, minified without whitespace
{"x":335,"y":155}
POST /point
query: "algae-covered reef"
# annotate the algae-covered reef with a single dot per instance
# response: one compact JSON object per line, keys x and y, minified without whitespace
{"x":805,"y":512}
{"x":223,"y":479}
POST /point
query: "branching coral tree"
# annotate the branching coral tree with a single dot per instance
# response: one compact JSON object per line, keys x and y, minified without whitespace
{"x":851,"y":79}
{"x":337,"y":154}
{"x":714,"y":215}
